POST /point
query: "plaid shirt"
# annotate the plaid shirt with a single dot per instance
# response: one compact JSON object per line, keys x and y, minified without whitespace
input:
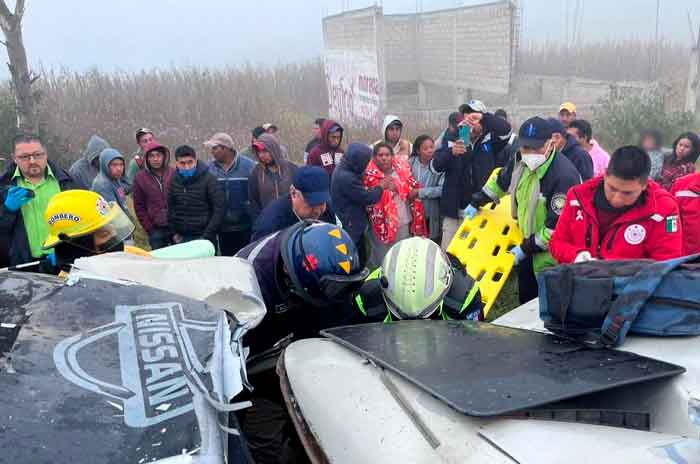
{"x":672,"y":171}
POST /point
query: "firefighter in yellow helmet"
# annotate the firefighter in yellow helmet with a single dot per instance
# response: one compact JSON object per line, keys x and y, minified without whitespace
{"x":81,"y":223}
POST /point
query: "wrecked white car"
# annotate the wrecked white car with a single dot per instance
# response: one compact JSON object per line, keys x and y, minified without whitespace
{"x":468,"y":392}
{"x":104,"y":370}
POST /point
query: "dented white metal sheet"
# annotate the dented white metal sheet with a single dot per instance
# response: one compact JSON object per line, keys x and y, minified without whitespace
{"x":355,"y":418}
{"x":673,"y":405}
{"x":549,"y":442}
{"x":222,"y":282}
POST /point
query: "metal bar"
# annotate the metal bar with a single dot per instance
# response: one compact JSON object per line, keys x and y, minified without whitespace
{"x":412,"y":414}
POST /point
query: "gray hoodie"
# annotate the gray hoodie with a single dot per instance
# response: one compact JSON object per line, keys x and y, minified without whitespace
{"x":84,"y":171}
{"x":265,"y":185}
{"x":110,"y":188}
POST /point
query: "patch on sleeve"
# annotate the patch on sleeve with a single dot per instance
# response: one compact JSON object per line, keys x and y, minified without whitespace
{"x":672,"y":224}
{"x":557,"y":203}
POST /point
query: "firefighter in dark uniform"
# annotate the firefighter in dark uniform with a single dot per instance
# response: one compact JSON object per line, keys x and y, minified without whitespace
{"x":305,"y":272}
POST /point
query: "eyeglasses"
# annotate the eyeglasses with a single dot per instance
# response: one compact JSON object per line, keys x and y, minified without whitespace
{"x":36,"y":156}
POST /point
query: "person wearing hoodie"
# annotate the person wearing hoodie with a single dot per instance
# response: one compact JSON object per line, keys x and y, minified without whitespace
{"x":271,"y":177}
{"x":349,"y":196}
{"x":568,"y":146}
{"x":327,"y":154}
{"x":392,"y":129}
{"x":196,"y":203}
{"x":144,"y":136}
{"x":316,"y":138}
{"x":85,"y":169}
{"x":110,"y":183}
{"x":150,"y":190}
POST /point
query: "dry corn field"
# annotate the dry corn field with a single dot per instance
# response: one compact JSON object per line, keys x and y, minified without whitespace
{"x":186,"y":105}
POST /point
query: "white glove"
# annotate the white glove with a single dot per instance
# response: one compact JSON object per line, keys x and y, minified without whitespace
{"x":584,"y":257}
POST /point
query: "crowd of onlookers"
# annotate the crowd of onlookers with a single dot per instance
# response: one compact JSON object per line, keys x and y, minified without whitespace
{"x":631,"y":205}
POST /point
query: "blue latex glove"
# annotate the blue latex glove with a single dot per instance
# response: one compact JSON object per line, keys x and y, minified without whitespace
{"x":16,"y":198}
{"x":51,"y":258}
{"x":518,"y":253}
{"x":470,"y":212}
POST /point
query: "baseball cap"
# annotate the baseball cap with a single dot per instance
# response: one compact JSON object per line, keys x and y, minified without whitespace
{"x":258,"y":131}
{"x":567,"y":106}
{"x":220,"y":138}
{"x":534,"y":133}
{"x":143,"y":131}
{"x":557,"y":126}
{"x":476,"y":106}
{"x":314,"y":183}
{"x":267,"y":126}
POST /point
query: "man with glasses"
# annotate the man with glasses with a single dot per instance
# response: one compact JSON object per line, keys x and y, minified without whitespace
{"x":232,"y":171}
{"x":26,"y":189}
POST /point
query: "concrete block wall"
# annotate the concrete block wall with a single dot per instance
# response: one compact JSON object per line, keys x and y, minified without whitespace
{"x":400,"y":48}
{"x":437,"y":48}
{"x":354,"y":30}
{"x":468,"y":48}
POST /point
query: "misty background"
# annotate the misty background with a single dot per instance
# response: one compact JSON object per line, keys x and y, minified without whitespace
{"x":131,"y":35}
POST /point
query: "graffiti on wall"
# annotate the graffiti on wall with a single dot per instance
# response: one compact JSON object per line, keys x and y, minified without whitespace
{"x":353,"y":84}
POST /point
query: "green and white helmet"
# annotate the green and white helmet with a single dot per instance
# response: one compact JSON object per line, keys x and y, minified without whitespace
{"x":416,"y":276}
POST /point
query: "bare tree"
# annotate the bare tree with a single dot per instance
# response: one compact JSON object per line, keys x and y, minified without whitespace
{"x":22,"y":77}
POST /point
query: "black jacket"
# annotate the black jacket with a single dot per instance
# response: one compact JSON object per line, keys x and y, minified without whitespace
{"x":579,"y":157}
{"x":196,"y":205}
{"x":349,"y":196}
{"x":279,"y":215}
{"x":467,"y":174}
{"x":14,"y":243}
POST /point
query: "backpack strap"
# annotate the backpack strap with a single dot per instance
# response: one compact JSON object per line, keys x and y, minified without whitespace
{"x":633,"y":297}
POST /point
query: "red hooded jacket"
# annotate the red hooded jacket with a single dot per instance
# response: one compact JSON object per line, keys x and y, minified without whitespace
{"x":323,"y":155}
{"x":651,"y":230}
{"x":686,"y":190}
{"x":151,"y":192}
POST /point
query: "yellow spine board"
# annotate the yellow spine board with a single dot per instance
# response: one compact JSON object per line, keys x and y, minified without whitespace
{"x":482,"y":245}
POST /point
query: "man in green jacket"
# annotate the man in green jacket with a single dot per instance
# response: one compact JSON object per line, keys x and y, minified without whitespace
{"x":537,"y":179}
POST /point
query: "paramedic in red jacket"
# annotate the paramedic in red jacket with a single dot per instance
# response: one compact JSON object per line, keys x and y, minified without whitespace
{"x":686,"y":190}
{"x":622,"y":215}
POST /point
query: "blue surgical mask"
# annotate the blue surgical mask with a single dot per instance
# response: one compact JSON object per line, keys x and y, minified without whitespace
{"x":187,"y":172}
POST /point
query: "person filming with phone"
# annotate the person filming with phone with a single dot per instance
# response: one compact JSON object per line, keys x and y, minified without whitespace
{"x":467,"y":157}
{"x":26,"y":189}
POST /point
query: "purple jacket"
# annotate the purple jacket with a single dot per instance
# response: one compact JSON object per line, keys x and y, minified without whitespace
{"x":151,"y":196}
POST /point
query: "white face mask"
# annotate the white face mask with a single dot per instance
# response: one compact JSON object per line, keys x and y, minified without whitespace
{"x":534,"y":160}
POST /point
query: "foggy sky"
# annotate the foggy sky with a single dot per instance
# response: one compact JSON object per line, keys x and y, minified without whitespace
{"x":137,"y":34}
